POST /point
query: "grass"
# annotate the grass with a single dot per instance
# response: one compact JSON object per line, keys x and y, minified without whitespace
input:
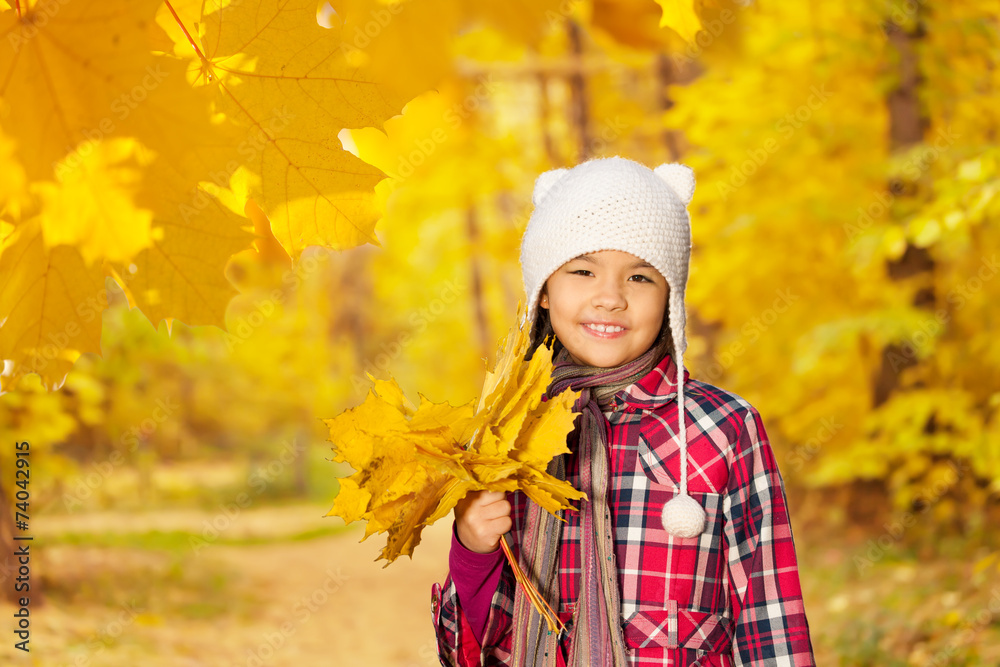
{"x":178,"y":540}
{"x":191,"y":484}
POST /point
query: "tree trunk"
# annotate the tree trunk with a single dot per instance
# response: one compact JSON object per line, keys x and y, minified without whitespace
{"x":544,"y":113}
{"x":665,"y":75}
{"x":579,"y":111}
{"x":908,"y":123}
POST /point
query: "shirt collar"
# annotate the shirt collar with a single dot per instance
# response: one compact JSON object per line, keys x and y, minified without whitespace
{"x":654,"y":389}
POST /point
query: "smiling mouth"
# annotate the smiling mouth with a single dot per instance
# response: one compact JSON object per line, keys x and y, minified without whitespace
{"x":604,"y":330}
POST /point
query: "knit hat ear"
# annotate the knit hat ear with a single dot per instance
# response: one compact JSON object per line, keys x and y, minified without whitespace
{"x":544,"y":183}
{"x":679,"y":177}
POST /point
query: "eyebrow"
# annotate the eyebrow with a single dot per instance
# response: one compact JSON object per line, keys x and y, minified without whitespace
{"x":641,"y":264}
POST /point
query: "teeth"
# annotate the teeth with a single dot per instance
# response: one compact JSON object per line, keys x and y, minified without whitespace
{"x":604,"y":328}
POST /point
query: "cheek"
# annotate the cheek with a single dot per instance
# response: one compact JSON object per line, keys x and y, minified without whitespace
{"x":561,"y":319}
{"x":657,"y":311}
{"x":563,"y":304}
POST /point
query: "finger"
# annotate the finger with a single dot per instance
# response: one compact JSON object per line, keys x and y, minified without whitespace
{"x":489,"y":497}
{"x":470,"y":498}
{"x":501,"y":526}
{"x":495,"y":510}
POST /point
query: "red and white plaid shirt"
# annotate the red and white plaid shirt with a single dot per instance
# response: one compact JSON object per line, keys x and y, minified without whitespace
{"x":729,"y":597}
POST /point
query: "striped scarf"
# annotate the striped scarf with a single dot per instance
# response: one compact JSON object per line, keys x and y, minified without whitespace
{"x":596,"y":638}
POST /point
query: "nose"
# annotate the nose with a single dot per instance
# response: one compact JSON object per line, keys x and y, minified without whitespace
{"x":609,"y":295}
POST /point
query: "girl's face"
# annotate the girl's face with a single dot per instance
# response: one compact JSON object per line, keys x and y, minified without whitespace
{"x":606,"y":307}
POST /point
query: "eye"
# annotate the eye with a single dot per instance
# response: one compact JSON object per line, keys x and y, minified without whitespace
{"x":642,"y":278}
{"x":577,"y":272}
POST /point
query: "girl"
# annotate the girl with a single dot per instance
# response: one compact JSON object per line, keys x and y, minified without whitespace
{"x":683,"y":554}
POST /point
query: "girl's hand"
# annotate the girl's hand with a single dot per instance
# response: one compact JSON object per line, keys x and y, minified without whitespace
{"x":482,"y":517}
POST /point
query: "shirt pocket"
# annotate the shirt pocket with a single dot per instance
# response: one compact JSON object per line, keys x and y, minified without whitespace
{"x":692,"y":570}
{"x":658,"y":451}
{"x":688,"y":636}
{"x":663,"y":485}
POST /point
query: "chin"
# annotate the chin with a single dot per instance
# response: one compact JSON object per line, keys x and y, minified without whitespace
{"x":600,"y":360}
{"x":606,"y":364}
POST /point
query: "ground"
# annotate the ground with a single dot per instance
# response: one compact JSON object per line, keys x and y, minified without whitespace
{"x":281,"y":585}
{"x":292,"y":600}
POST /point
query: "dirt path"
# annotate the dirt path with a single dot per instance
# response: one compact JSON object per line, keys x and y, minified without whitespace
{"x":314,"y":602}
{"x":338,"y":607}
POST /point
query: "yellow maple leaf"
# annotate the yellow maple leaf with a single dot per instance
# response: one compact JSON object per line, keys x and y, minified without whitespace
{"x":179,"y":275}
{"x":286,"y":79}
{"x":95,"y":185}
{"x":405,"y":45}
{"x":222,"y":102}
{"x":41,"y":291}
{"x":414,"y":464}
{"x":92,"y":204}
{"x":631,"y":22}
{"x":679,"y":15}
{"x":59,"y":95}
{"x":13,"y":185}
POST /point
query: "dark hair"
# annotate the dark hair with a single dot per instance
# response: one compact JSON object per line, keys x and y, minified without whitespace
{"x":541,"y":331}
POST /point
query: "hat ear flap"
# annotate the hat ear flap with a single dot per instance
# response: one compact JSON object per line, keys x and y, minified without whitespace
{"x":679,"y":177}
{"x":544,"y":183}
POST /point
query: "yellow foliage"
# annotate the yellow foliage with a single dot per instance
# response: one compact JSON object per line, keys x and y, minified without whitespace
{"x":179,"y":276}
{"x":42,"y":290}
{"x":679,"y":15}
{"x":91,"y":206}
{"x":405,"y":44}
{"x":635,"y":23}
{"x":413,"y":464}
{"x":285,"y":79}
{"x":123,"y":150}
{"x":59,"y":97}
{"x":13,"y":185}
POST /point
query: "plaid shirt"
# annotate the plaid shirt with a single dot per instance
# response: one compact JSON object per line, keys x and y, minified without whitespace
{"x":729,"y":597}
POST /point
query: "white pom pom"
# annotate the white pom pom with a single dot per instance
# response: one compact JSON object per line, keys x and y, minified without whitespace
{"x":683,"y":517}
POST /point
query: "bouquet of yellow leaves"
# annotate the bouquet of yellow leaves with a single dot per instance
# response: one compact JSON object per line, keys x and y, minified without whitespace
{"x":413,"y":464}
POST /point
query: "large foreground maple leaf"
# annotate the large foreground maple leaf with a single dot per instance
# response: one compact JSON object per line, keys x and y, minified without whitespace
{"x":132,"y":134}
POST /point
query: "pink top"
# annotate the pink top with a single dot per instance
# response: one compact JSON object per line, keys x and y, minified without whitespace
{"x":476,"y":577}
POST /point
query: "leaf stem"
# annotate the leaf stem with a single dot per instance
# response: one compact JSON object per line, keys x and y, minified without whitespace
{"x":539,"y":602}
{"x":186,"y":33}
{"x":17,"y":6}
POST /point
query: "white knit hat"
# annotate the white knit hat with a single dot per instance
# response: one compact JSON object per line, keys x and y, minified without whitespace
{"x":618,"y":204}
